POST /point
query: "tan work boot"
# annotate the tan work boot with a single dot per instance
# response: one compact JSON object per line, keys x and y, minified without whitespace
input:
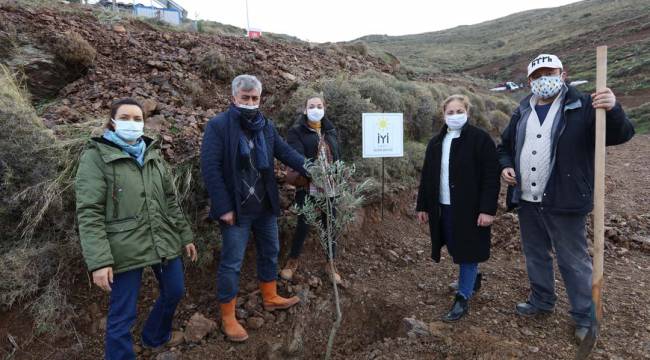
{"x":229,"y":324}
{"x":290,"y":269}
{"x":328,"y":271}
{"x":273,"y":301}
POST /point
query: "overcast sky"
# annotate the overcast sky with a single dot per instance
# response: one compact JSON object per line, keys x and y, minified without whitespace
{"x":341,"y":20}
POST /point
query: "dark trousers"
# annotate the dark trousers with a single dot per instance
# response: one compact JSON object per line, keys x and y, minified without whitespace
{"x":302,"y":230}
{"x":541,"y":233}
{"x":122,"y":309}
{"x":233,"y":249}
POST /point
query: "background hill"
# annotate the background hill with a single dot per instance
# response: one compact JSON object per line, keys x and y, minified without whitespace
{"x":500,"y":49}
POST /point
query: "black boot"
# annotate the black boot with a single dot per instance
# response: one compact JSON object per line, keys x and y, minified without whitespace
{"x":458,"y":310}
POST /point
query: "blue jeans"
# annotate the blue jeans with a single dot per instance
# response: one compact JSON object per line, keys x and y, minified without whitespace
{"x":122,"y":309}
{"x":468,"y":271}
{"x":235,"y":238}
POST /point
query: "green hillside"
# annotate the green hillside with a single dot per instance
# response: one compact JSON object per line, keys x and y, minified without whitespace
{"x":499,"y":49}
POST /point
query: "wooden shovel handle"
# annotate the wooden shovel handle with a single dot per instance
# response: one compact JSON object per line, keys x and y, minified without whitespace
{"x":599,"y":186}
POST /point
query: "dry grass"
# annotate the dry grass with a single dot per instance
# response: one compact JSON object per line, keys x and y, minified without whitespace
{"x":74,"y":50}
{"x":214,"y":65}
{"x":39,"y":247}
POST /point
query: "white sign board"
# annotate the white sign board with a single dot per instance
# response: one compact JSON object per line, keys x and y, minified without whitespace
{"x":383,"y":135}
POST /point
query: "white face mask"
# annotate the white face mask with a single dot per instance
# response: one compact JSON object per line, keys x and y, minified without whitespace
{"x":456,"y":121}
{"x":128,"y":130}
{"x":315,"y":114}
{"x":248,"y":107}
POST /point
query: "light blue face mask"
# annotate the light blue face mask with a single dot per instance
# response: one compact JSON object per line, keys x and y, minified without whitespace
{"x":128,"y":130}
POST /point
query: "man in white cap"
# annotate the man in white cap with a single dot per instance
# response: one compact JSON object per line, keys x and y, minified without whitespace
{"x":547,"y":159}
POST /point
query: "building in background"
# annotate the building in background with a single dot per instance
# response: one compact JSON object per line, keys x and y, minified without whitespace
{"x":164,"y":10}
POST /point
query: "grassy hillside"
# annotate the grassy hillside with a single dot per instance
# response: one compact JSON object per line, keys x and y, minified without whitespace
{"x":500,"y":49}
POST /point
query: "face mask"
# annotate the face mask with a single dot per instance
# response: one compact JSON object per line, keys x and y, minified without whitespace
{"x":128,"y":130}
{"x":456,"y":121}
{"x":546,"y":86}
{"x":248,"y":112}
{"x":315,"y":114}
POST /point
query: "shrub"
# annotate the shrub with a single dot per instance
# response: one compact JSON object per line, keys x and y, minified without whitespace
{"x":358,"y":47}
{"x":498,"y":120}
{"x":419,"y":110}
{"x":345,"y":106}
{"x":286,"y":111}
{"x":386,"y":98}
{"x":504,"y":107}
{"x":214,"y":65}
{"x":74,"y":50}
{"x":640,"y":116}
{"x":195,"y":95}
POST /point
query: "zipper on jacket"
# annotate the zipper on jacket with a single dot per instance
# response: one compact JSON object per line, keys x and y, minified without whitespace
{"x":114,"y":196}
{"x":146,"y":201}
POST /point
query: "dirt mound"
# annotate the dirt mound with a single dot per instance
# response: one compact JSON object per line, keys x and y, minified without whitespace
{"x":178,"y":73}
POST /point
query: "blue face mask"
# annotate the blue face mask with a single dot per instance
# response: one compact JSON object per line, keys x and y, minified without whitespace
{"x":128,"y":130}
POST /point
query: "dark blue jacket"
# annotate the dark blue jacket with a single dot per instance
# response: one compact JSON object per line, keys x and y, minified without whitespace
{"x":220,"y":163}
{"x":570,"y":186}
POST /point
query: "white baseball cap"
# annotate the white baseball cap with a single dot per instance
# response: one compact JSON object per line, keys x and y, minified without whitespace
{"x":544,"y":61}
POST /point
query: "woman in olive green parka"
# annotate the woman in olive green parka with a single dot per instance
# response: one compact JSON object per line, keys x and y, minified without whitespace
{"x":129,"y":218}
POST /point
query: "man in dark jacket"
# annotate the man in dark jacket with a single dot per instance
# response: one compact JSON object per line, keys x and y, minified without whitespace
{"x":547,"y":159}
{"x":239,"y":146}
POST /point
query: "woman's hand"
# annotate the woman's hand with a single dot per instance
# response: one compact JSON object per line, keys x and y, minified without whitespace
{"x":190,"y":250}
{"x":484,"y":220}
{"x":423,"y":217}
{"x":103,"y":278}
{"x":509,"y":176}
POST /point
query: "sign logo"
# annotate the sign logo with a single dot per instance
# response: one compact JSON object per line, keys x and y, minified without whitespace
{"x":382,"y":125}
{"x":383,"y":135}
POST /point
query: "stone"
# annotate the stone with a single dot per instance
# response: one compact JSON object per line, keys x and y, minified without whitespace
{"x":167,"y":355}
{"x":315,"y":282}
{"x":252,"y":304}
{"x":198,"y":327}
{"x":527,"y":332}
{"x":391,"y":256}
{"x":281,"y":317}
{"x":288,"y":76}
{"x":178,"y":337}
{"x":120,"y":29}
{"x":149,"y":106}
{"x":414,"y":328}
{"x":241,"y":313}
{"x":255,"y":322}
{"x":437,"y":328}
{"x":101,"y":325}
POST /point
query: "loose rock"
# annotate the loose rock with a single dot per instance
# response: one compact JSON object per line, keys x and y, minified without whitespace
{"x":198,"y":327}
